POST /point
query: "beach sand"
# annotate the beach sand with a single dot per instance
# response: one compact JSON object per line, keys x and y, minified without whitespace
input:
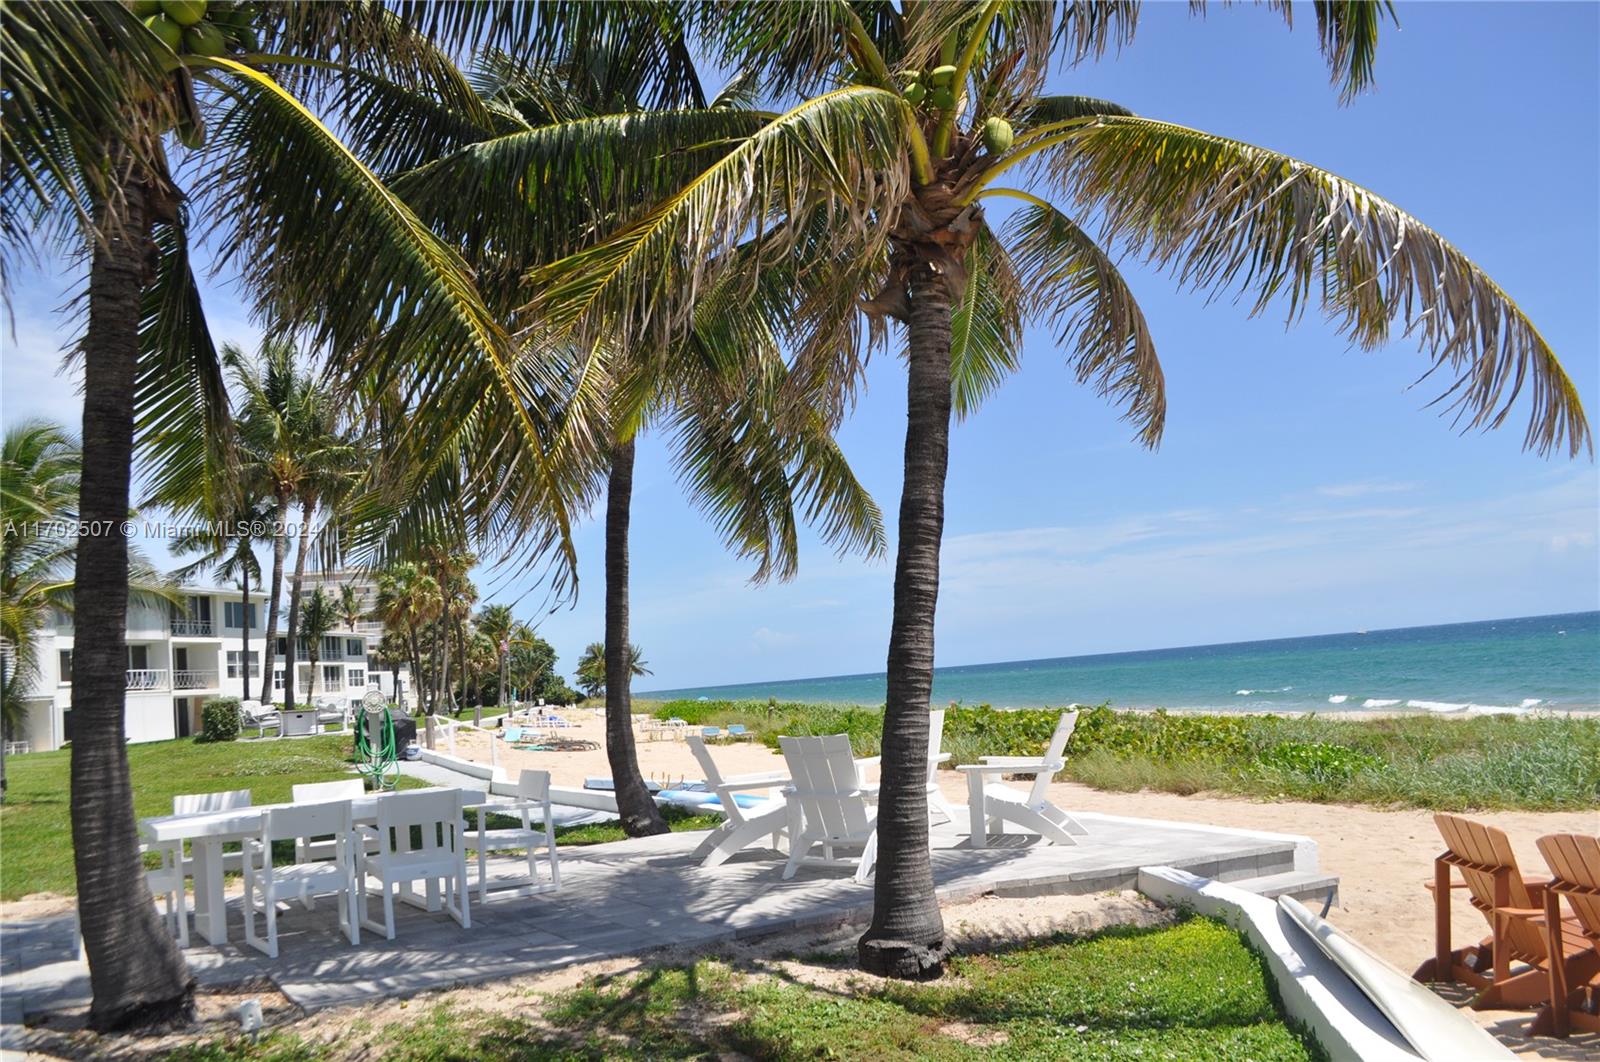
{"x":1381,"y":856}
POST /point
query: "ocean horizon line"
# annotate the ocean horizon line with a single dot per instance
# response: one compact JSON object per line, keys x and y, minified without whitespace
{"x":1509,"y":665}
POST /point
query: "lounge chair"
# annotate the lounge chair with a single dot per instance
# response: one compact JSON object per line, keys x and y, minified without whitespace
{"x":746,"y":823}
{"x":1574,"y":859}
{"x":251,"y":713}
{"x":711,"y":733}
{"x":737,"y":732}
{"x":1514,"y":907}
{"x":991,"y":805}
{"x":533,"y":796}
{"x":828,"y":805}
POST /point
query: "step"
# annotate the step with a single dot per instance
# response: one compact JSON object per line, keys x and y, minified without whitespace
{"x":1304,"y":885}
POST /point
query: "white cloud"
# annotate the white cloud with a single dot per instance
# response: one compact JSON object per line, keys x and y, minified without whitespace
{"x":1365,"y":488}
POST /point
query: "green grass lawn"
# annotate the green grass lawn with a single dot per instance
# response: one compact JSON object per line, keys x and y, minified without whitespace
{"x":1488,"y":762}
{"x":1188,"y":991}
{"x":36,"y":834}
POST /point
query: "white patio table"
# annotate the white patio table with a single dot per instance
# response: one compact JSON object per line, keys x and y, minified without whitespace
{"x":208,"y":831}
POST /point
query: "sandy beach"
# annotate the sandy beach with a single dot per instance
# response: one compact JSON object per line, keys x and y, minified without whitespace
{"x":1382,"y":856}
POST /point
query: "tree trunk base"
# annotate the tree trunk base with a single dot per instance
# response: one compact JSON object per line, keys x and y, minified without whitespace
{"x":644,"y":826}
{"x":902,"y":960}
{"x":150,"y":1016}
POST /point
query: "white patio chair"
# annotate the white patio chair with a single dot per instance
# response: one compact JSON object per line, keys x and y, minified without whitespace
{"x":532,"y":801}
{"x":437,"y":815}
{"x":199,"y":804}
{"x":251,"y":713}
{"x":745,"y":825}
{"x":827,"y":805}
{"x":309,"y":848}
{"x":992,"y":805}
{"x":167,"y":884}
{"x":265,"y":885}
{"x":936,"y":798}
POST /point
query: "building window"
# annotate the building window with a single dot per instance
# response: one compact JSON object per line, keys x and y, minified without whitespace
{"x":235,"y":663}
{"x":233,"y":615}
{"x":138,"y":658}
{"x":333,"y":676}
{"x":277,"y":678}
{"x":358,"y":679}
{"x":331,"y":647}
{"x":283,"y":646}
{"x":354,"y":648}
{"x":66,"y":667}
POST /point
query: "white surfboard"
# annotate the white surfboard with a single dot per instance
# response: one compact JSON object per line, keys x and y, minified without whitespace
{"x":1433,"y":1027}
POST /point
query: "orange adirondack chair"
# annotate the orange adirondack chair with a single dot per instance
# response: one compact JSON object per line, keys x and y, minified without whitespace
{"x":1514,"y":907}
{"x":1574,"y":980}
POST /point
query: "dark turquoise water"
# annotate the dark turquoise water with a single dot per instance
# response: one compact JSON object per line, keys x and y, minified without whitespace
{"x":1511,"y":664}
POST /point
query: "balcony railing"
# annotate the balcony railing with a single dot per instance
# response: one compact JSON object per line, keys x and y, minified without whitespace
{"x":194,"y":680}
{"x":148,"y":679}
{"x":194,"y":628}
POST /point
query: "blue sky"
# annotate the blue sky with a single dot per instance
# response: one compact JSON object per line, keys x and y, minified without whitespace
{"x":1301,"y":487}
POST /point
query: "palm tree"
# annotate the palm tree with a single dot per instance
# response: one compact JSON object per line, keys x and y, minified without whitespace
{"x":348,"y":607}
{"x":85,"y":169}
{"x":317,"y":618}
{"x":749,"y":448}
{"x":871,"y":192}
{"x":228,"y":548}
{"x":495,"y":622}
{"x":408,"y":600}
{"x":39,"y":472}
{"x":592,"y":671}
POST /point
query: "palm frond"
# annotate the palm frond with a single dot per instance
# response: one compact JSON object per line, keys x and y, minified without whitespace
{"x":1073,"y":286}
{"x":333,"y":250}
{"x":843,"y":153}
{"x":1223,"y":215}
{"x":986,"y":325}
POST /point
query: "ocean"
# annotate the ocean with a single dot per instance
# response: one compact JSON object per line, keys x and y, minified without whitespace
{"x":1509,"y":665}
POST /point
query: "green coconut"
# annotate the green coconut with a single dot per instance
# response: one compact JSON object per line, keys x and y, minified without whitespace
{"x":204,"y":38}
{"x":184,"y":12}
{"x":997,"y":135}
{"x":915,"y":92}
{"x":145,"y":8}
{"x":944,"y":98}
{"x":170,"y":33}
{"x":940,"y":76}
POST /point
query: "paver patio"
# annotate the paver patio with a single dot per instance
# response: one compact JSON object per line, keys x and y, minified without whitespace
{"x":632,"y":896}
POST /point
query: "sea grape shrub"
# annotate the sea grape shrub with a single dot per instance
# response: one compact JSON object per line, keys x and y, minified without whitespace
{"x":219,"y":720}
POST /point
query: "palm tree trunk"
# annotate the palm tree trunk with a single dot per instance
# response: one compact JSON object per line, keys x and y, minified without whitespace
{"x":906,"y":938}
{"x":136,"y":972}
{"x":640,"y":816}
{"x":280,"y":548}
{"x":500,"y":696}
{"x":306,"y":509}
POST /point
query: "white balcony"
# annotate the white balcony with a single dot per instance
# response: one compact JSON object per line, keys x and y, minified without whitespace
{"x":194,"y":680}
{"x":194,"y":628}
{"x":148,"y":679}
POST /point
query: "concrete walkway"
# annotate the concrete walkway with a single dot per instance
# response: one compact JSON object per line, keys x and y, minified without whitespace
{"x":634,"y":896}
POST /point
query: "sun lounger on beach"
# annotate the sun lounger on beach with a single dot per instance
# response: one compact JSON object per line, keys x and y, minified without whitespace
{"x":1514,"y":907}
{"x":1574,"y":1003}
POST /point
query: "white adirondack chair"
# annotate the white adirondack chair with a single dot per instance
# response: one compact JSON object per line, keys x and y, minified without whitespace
{"x":936,"y":798}
{"x":265,"y":885}
{"x":992,"y":805}
{"x":309,"y":848}
{"x":828,"y":805}
{"x":437,"y":815}
{"x":745,"y":825}
{"x":533,"y":800}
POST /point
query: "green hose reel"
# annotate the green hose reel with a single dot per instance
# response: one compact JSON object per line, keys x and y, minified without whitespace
{"x":375,"y":743}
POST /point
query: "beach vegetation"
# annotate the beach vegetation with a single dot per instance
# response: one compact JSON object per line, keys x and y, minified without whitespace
{"x":1544,"y":763}
{"x":1189,"y":990}
{"x":219,"y":720}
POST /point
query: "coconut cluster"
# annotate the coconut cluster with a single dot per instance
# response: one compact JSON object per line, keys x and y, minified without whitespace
{"x":199,"y":27}
{"x":938,"y":88}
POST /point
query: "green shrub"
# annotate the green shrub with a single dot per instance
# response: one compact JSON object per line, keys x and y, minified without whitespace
{"x":219,"y":720}
{"x":1313,"y":767}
